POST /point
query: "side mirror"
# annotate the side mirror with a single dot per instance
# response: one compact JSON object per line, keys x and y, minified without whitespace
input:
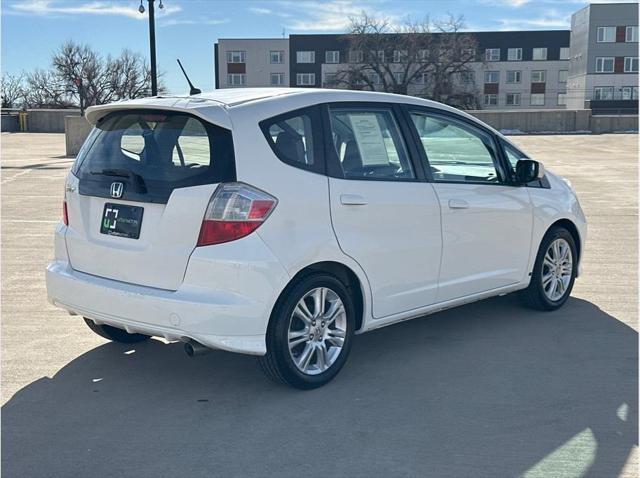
{"x":528,"y":170}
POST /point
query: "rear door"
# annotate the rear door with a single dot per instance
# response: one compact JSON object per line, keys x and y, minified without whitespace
{"x":138,"y":192}
{"x":384,"y":215}
{"x":486,"y":220}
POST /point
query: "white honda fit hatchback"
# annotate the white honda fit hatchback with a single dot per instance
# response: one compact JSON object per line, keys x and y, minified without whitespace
{"x":281,"y":222}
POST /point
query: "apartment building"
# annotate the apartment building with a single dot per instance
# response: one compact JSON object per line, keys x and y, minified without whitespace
{"x":597,"y":60}
{"x":603,"y":66}
{"x":251,"y":62}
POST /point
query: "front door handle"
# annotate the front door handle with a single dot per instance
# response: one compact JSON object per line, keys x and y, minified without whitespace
{"x":458,"y":204}
{"x":352,"y":200}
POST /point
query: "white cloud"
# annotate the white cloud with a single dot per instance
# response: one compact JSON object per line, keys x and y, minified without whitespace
{"x":549,"y":21}
{"x":260,"y":11}
{"x":199,"y":21}
{"x":56,"y":8}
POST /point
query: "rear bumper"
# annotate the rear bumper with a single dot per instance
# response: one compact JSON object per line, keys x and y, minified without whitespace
{"x":221,"y":319}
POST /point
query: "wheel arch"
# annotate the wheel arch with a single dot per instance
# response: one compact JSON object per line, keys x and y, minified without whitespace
{"x":573,"y":230}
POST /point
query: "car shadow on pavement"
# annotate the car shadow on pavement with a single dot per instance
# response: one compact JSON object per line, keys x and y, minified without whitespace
{"x":489,"y":389}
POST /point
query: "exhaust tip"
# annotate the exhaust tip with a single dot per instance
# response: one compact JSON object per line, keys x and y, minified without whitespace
{"x":193,"y":348}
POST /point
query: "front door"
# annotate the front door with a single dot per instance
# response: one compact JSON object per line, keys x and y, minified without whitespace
{"x":384,"y":217}
{"x":486,"y":222}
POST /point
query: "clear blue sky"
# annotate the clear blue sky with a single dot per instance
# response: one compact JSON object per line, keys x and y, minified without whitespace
{"x":187,"y":29}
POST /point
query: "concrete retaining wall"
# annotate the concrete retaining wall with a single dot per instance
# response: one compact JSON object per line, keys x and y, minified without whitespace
{"x":48,"y":120}
{"x":9,"y":123}
{"x":555,"y":121}
{"x":76,"y":129}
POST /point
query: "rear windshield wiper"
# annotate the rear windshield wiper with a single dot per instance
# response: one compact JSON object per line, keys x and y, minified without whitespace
{"x":124,"y":173}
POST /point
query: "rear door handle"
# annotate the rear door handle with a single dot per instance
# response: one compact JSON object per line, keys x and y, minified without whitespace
{"x":458,"y":204}
{"x":352,"y":200}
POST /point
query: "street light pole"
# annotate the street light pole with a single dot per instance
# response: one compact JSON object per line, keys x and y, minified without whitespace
{"x":152,"y":47}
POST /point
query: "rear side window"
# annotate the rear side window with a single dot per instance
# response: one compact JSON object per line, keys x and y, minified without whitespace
{"x":153,"y":153}
{"x":295,"y":138}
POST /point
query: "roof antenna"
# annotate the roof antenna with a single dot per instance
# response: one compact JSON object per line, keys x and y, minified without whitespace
{"x":193,"y":90}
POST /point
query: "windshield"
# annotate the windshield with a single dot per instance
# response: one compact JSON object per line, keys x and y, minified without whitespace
{"x":152,"y":153}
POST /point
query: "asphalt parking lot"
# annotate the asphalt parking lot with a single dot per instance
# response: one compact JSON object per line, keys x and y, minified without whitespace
{"x":486,"y":390}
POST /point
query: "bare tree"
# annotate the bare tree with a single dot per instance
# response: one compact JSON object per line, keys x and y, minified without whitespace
{"x":12,"y":90}
{"x":428,"y":59}
{"x":44,"y":89}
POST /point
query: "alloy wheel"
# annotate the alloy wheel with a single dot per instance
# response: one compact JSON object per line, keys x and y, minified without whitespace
{"x":557,"y":269}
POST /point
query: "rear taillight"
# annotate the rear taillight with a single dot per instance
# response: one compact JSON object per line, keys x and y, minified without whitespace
{"x":65,"y":214}
{"x":234,"y":211}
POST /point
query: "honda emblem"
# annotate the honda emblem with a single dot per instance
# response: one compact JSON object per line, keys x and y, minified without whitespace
{"x":116,"y":190}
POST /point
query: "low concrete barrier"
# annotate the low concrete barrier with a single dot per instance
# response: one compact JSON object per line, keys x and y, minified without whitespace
{"x":76,"y":130}
{"x":555,"y":121}
{"x":48,"y":120}
{"x":9,"y":123}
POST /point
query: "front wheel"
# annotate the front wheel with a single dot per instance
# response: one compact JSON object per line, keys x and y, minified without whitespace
{"x":310,"y":332}
{"x":554,"y":271}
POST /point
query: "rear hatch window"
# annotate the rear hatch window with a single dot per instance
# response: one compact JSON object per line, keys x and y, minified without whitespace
{"x":152,"y":153}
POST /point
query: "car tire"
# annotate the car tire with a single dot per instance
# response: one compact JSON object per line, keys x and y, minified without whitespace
{"x":307,"y":344}
{"x":550,"y":272}
{"x":114,"y":334}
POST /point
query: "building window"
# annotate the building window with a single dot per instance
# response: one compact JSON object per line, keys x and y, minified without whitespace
{"x":492,"y":54}
{"x":400,"y":56}
{"x":537,"y":99}
{"x":468,"y":54}
{"x":398,"y":76}
{"x":492,"y":77}
{"x":562,"y":99}
{"x":491,"y":100}
{"x":629,"y":92}
{"x":305,"y":57}
{"x":513,"y":99}
{"x":276,"y":57}
{"x":564,"y":53}
{"x":562,"y":76}
{"x":603,"y":93}
{"x":277,"y":79}
{"x":380,"y":54}
{"x":330,"y":79}
{"x":332,"y":56}
{"x":514,"y":54}
{"x":373,"y":77}
{"x":236,"y":57}
{"x":423,"y":55}
{"x":514,"y":76}
{"x":538,"y":76}
{"x":630,"y":64}
{"x":306,"y":79}
{"x":539,"y":53}
{"x":631,"y":34}
{"x":604,"y":64}
{"x":355,"y":56}
{"x":467,"y":77}
{"x":236,"y":79}
{"x":606,"y":34}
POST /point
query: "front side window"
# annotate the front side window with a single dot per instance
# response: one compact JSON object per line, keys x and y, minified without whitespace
{"x":236,"y":57}
{"x":368,"y":144}
{"x":491,"y":100}
{"x":306,"y":79}
{"x":537,"y":99}
{"x":236,"y":79}
{"x":538,"y":76}
{"x":562,"y":99}
{"x":513,"y":155}
{"x":539,"y":53}
{"x":293,"y":138}
{"x":513,"y":99}
{"x":631,"y":64}
{"x":631,"y":34}
{"x":564,"y":53}
{"x":603,"y":93}
{"x":514,"y":54}
{"x":276,"y":57}
{"x":605,"y":64}
{"x":332,"y":56}
{"x":606,"y":34}
{"x":514,"y":76}
{"x":491,"y":76}
{"x":492,"y":54}
{"x":305,"y":57}
{"x":277,"y":79}
{"x":456,"y":151}
{"x":154,"y":152}
{"x":562,"y":76}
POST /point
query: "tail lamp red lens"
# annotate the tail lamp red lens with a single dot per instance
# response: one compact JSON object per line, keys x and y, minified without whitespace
{"x":234,"y":211}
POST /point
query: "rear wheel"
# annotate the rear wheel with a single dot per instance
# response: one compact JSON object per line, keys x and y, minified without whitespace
{"x":310,"y":333}
{"x":554,"y":271}
{"x":115,"y":334}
